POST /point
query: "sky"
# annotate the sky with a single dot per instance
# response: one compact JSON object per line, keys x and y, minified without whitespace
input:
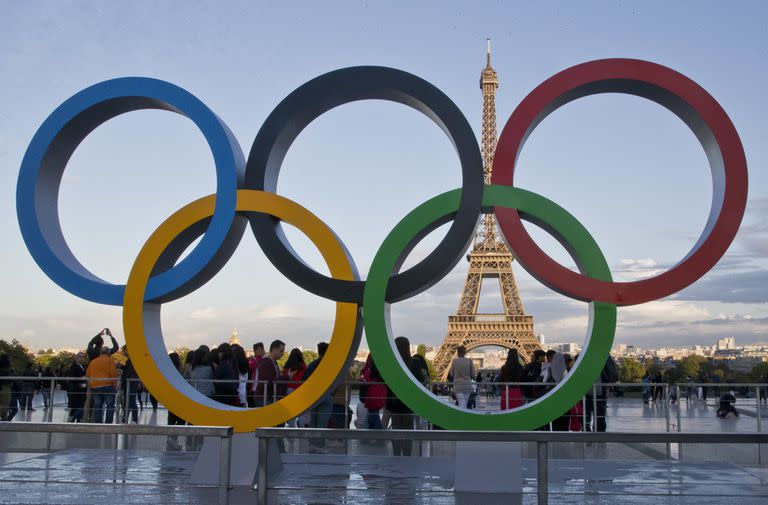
{"x":628,"y":169}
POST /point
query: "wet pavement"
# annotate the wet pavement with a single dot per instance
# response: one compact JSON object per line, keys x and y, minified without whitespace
{"x":92,"y":476}
{"x":86,"y":470}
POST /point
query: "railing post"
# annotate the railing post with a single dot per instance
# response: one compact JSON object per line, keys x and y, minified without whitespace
{"x":679,"y":423}
{"x":50,"y":400}
{"x":666,"y":415}
{"x":542,"y":470}
{"x":261,"y":483}
{"x":347,"y":420}
{"x":49,"y":417}
{"x":594,"y":408}
{"x":759,"y":425}
{"x":225,"y":456}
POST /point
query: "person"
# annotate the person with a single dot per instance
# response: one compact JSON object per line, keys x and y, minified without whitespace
{"x":375,"y":393}
{"x":253,"y":361}
{"x":28,"y":386}
{"x":95,"y":345}
{"x":294,"y":369}
{"x":401,"y":415}
{"x":241,"y":362}
{"x":461,"y":372}
{"x":130,"y":386}
{"x":532,"y":373}
{"x":341,"y":415}
{"x":596,"y":396}
{"x":225,"y":375}
{"x":321,"y":414}
{"x":102,"y":379}
{"x":76,"y":389}
{"x":201,"y":373}
{"x":186,"y":368}
{"x":172,"y":442}
{"x":555,"y":374}
{"x":5,"y":385}
{"x":646,"y":388}
{"x":549,"y":355}
{"x":726,"y":409}
{"x":45,"y":386}
{"x":422,"y":369}
{"x":267,"y":372}
{"x":511,"y":371}
{"x":658,"y":390}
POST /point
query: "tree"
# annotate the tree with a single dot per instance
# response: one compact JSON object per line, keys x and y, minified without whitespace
{"x":694,"y":367}
{"x":19,"y":355}
{"x":759,"y":372}
{"x":631,"y":370}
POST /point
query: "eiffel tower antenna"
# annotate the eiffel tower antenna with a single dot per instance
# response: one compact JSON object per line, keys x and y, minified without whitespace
{"x":489,"y":258}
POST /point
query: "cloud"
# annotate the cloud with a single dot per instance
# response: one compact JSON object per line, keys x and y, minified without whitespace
{"x":750,"y":286}
{"x":753,"y":235}
{"x":204,"y":314}
{"x":279,"y":311}
{"x":630,"y":269}
{"x":663,"y":310}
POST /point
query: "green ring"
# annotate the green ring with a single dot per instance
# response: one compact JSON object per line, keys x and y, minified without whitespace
{"x":602,"y":316}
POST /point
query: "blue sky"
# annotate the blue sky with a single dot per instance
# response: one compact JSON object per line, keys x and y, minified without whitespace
{"x":628,"y":169}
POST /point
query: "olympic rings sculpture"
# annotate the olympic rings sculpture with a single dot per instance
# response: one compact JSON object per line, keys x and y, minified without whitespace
{"x":245,"y":194}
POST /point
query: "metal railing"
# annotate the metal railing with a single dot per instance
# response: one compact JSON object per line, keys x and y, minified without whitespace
{"x":541,"y":438}
{"x":223,"y":432}
{"x":667,"y":396}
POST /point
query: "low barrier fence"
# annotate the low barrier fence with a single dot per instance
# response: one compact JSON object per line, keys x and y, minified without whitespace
{"x":124,"y":430}
{"x":542,"y":440}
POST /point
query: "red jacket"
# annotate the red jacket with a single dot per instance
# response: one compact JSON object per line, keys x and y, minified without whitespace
{"x":297,"y":377}
{"x":252,"y":363}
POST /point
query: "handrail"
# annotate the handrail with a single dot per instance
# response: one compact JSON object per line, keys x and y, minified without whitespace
{"x":435,"y":383}
{"x":516,"y":436}
{"x":118,"y":429}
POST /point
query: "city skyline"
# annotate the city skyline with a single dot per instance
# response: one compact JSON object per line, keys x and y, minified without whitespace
{"x":242,"y":75}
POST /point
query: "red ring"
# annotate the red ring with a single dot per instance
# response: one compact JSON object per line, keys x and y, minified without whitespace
{"x":689,"y":101}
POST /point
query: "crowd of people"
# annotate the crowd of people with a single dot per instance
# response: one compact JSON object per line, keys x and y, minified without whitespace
{"x":98,"y":387}
{"x":518,"y":383}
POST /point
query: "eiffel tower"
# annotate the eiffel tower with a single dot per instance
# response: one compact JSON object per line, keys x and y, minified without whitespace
{"x":490,"y":258}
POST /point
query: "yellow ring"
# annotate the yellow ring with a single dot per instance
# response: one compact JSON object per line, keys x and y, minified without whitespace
{"x":168,"y":386}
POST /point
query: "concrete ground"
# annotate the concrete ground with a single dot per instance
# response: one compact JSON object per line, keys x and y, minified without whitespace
{"x":92,"y":476}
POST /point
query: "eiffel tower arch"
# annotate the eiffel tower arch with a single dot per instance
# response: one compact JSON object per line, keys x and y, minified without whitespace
{"x":490,"y":258}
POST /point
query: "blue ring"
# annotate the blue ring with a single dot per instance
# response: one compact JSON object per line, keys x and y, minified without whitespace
{"x":47,"y":156}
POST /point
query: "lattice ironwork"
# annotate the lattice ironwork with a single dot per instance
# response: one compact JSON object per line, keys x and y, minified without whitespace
{"x":489,"y":258}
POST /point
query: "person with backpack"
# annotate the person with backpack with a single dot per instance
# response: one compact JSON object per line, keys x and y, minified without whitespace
{"x":375,"y":397}
{"x":597,"y":396}
{"x":532,"y":373}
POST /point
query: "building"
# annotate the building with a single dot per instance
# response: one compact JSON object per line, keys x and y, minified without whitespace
{"x":725,"y":344}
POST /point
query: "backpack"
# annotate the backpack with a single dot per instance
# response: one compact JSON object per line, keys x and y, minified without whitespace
{"x":609,"y":373}
{"x":376,"y":396}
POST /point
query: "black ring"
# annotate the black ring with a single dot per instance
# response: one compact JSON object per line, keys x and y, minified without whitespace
{"x":322,"y":94}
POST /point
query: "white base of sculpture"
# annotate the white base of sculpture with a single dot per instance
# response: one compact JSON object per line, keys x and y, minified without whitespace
{"x":243,"y":463}
{"x":488,"y":467}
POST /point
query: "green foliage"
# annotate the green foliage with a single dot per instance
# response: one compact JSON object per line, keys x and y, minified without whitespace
{"x":631,"y":370}
{"x":421,"y":350}
{"x":759,"y":372}
{"x":695,"y":367}
{"x":309,"y":357}
{"x":18,"y":354}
